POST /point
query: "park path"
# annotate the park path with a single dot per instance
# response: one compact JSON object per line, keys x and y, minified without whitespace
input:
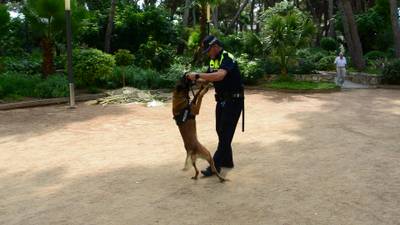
{"x":303,"y":159}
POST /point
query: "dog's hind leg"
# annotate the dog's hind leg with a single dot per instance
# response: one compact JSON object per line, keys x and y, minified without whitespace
{"x":193,"y":157}
{"x":187,"y":162}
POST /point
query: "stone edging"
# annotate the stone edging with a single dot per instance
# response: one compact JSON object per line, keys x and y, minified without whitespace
{"x":337,"y":89}
{"x":50,"y":101}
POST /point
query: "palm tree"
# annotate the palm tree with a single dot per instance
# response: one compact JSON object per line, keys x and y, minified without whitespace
{"x":47,"y":21}
{"x":394,"y":14}
{"x":285,"y":30}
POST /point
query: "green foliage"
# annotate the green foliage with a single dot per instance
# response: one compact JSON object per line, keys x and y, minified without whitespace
{"x":271,"y":65}
{"x":134,"y":26}
{"x":285,"y":30}
{"x":92,"y":30}
{"x":28,"y":64}
{"x":375,"y":55}
{"x":155,"y":55}
{"x":326,"y":63}
{"x":53,"y":87}
{"x":47,"y":17}
{"x":194,"y":40}
{"x":4,"y":19}
{"x":92,"y":66}
{"x":139,"y":77}
{"x":374,"y":27}
{"x":16,"y":84}
{"x":124,"y":57}
{"x":329,"y":44}
{"x":304,"y":66}
{"x":251,"y":70}
{"x":391,"y":73}
{"x":232,"y":43}
{"x":244,"y":42}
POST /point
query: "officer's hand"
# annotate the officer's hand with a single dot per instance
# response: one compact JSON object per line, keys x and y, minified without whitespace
{"x":191,"y":75}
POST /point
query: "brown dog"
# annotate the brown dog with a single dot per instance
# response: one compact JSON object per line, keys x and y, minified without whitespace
{"x":184,"y":112}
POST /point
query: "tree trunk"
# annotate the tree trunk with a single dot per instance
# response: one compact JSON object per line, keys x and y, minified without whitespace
{"x":238,"y":13}
{"x":253,"y":2}
{"x":394,"y":15}
{"x":194,"y":16}
{"x":215,"y":17}
{"x":186,"y":13}
{"x":203,"y":25}
{"x":48,"y":57}
{"x":107,"y":43}
{"x":331,"y":30}
{"x":181,"y":46}
{"x":357,"y":52}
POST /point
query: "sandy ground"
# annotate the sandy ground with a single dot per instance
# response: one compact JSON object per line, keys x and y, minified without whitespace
{"x":304,"y":159}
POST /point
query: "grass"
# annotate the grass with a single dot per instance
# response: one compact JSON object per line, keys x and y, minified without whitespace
{"x":300,"y":85}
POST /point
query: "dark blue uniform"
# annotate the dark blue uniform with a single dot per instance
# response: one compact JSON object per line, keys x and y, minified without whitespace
{"x":230,"y":102}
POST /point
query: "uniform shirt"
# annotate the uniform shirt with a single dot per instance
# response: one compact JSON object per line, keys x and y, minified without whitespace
{"x":340,"y":62}
{"x":232,"y":81}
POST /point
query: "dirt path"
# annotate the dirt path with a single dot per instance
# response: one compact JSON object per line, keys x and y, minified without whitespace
{"x":304,"y":159}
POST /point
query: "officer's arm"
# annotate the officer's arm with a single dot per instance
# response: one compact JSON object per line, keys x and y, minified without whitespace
{"x":214,"y":76}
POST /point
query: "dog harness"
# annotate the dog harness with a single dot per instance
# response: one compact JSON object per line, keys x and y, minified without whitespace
{"x":184,"y":115}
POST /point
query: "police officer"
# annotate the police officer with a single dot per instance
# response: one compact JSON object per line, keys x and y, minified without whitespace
{"x":224,"y":72}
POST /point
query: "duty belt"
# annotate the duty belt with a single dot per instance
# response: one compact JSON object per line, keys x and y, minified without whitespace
{"x":226,"y":96}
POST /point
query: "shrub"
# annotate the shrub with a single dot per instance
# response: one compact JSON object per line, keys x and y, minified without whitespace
{"x":251,"y":70}
{"x":124,"y":57}
{"x":92,"y":66}
{"x":153,"y":55}
{"x":15,"y":84}
{"x":232,"y":43}
{"x":326,"y":63}
{"x":30,"y":64}
{"x":54,"y":86}
{"x":271,"y":66}
{"x":375,"y":55}
{"x":304,"y":67}
{"x":391,"y":73}
{"x":329,"y":44}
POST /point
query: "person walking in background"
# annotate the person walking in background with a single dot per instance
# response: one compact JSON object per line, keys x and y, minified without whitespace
{"x":340,"y":63}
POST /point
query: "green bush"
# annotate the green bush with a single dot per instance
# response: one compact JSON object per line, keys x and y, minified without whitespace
{"x":251,"y":70}
{"x":15,"y":84}
{"x":124,"y":57}
{"x":92,"y":67}
{"x":232,"y":43}
{"x":375,"y":55}
{"x":53,"y":87}
{"x":391,"y":73}
{"x":303,"y":67}
{"x":31,"y":64}
{"x":194,"y":39}
{"x":153,"y":55}
{"x":326,"y":63}
{"x":329,"y":44}
{"x":137,"y":77}
{"x":271,"y":66}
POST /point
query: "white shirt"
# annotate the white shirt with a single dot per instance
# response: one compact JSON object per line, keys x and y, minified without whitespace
{"x":340,"y":62}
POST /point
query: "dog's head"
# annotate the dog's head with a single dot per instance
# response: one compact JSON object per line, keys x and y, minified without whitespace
{"x":183,"y":84}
